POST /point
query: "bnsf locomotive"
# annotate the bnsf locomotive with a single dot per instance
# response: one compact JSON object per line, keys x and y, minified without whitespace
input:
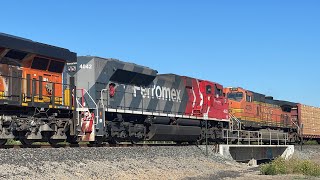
{"x":35,"y":101}
{"x":49,"y":94}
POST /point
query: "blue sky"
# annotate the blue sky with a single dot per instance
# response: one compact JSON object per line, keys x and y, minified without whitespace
{"x":268,"y":46}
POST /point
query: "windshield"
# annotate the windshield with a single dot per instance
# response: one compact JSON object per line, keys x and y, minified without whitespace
{"x":235,"y":96}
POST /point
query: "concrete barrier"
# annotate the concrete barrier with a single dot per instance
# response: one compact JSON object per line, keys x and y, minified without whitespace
{"x":243,"y":153}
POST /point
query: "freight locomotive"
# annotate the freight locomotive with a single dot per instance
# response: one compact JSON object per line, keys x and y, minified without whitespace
{"x":123,"y":101}
{"x":48,"y":94}
{"x":33,"y":94}
{"x":258,"y":112}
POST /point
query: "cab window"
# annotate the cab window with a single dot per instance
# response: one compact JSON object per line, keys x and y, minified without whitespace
{"x":218,"y":91}
{"x":236,"y":96}
{"x":15,"y":54}
{"x":40,"y":63}
{"x":208,"y":89}
{"x":56,"y":66}
{"x":249,"y":98}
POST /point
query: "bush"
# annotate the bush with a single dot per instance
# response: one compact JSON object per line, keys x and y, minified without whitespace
{"x":293,"y":166}
{"x":278,"y":166}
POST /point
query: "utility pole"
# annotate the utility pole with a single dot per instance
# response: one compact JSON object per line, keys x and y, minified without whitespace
{"x":205,"y":117}
{"x":301,"y":136}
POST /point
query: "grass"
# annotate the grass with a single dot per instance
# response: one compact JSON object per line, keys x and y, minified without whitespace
{"x":13,"y":142}
{"x":311,"y":142}
{"x":292,"y":166}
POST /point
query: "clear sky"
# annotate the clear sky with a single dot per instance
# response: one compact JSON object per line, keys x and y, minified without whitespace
{"x":268,"y":46}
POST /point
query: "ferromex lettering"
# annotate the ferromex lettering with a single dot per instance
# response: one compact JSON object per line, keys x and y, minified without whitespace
{"x":159,"y":92}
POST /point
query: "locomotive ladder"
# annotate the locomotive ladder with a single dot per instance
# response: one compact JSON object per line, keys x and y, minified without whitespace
{"x":233,"y":120}
{"x":83,"y":107}
{"x":298,"y":127}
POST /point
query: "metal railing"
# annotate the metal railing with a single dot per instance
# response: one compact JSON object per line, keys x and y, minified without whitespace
{"x":33,"y":90}
{"x":259,"y":137}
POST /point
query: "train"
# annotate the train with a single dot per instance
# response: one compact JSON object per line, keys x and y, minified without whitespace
{"x":49,"y":94}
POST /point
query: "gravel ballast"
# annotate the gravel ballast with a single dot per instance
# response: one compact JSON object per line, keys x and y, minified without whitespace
{"x":187,"y":162}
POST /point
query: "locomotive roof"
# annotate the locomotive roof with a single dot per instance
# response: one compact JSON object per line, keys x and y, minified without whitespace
{"x":115,"y":60}
{"x":188,"y":77}
{"x":27,"y":45}
{"x":269,"y":99}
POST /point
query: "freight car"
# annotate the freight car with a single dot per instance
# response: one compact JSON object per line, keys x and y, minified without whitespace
{"x":309,"y":118}
{"x":258,"y":112}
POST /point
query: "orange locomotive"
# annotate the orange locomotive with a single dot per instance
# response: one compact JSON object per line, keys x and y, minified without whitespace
{"x":35,"y":99}
{"x":256,"y":111}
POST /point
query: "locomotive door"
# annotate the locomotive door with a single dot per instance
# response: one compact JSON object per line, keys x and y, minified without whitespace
{"x":207,"y":92}
{"x":14,"y":83}
{"x":52,"y":87}
{"x":47,"y":85}
{"x":217,"y":101}
{"x":249,"y":107}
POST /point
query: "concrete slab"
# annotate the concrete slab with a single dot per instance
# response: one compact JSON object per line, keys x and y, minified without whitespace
{"x":243,"y":153}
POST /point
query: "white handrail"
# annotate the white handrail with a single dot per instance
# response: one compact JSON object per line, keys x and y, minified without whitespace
{"x":101,"y":93}
{"x":259,"y":139}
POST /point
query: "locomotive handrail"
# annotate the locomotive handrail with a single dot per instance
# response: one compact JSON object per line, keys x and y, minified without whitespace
{"x":233,"y":117}
{"x":77,"y":99}
{"x":299,"y":128}
{"x":96,"y":108}
{"x":259,"y":139}
{"x":102,"y":99}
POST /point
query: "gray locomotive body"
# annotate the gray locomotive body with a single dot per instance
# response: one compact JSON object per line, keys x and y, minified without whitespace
{"x":133,"y":102}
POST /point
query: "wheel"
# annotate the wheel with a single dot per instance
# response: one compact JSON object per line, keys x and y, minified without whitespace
{"x":26,"y":142}
{"x":178,"y":142}
{"x":55,"y":142}
{"x":3,"y":142}
{"x":191,"y":143}
{"x":114,"y":141}
{"x":98,"y":140}
{"x":135,"y":140}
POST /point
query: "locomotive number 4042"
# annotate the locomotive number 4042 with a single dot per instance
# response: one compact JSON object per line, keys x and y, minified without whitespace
{"x":85,"y":66}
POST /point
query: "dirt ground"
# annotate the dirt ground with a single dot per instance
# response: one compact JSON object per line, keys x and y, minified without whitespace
{"x":156,"y":163}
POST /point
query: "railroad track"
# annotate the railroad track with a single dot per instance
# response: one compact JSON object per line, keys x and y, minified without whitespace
{"x":85,"y":145}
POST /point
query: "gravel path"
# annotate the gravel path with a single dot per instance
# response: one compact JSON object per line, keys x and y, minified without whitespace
{"x":123,"y":163}
{"x":308,"y":152}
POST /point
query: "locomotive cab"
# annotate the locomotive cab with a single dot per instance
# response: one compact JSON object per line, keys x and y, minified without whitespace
{"x":238,"y":99}
{"x":213,"y":101}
